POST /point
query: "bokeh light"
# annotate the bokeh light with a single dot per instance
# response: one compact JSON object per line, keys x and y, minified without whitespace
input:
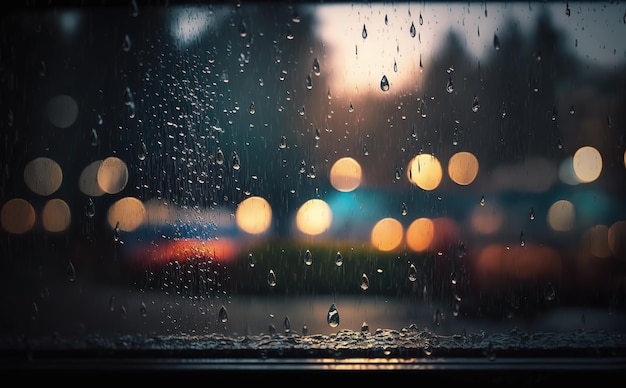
{"x":596,"y":239}
{"x":112,"y":175}
{"x":487,"y":219}
{"x":314,"y":217}
{"x":17,"y":216}
{"x":345,"y":174}
{"x":130,"y":212}
{"x":43,"y":176}
{"x":419,"y":235}
{"x":56,"y":215}
{"x":62,"y":111}
{"x":254,"y":215}
{"x":587,"y":164}
{"x":88,"y":180}
{"x":463,"y":168}
{"x":617,"y":239}
{"x":425,"y":171}
{"x":566,"y":172}
{"x":387,"y":234}
{"x":562,"y":215}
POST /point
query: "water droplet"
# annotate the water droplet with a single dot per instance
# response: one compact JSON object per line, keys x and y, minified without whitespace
{"x":386,"y":20}
{"x":286,"y":325}
{"x":123,"y":312}
{"x":302,"y":169}
{"x":222,"y":315}
{"x":549,"y":293}
{"x":316,"y":66}
{"x":309,"y":82}
{"x":559,"y":144}
{"x":338,"y":259}
{"x":365,"y":282}
{"x":482,"y":200}
{"x":308,"y":257}
{"x":70,"y":271}
{"x":412,"y":272}
{"x":271,"y":278}
{"x":364,"y":32}
{"x":42,"y":68}
{"x":143,"y":310}
{"x":90,"y":208}
{"x":243,"y":29}
{"x":398,"y":175}
{"x":116,"y":232}
{"x":365,"y":328}
{"x":251,"y":260}
{"x":365,"y":150}
{"x":571,"y":110}
{"x":384,"y":84}
{"x":475,"y":104}
{"x":236,"y":161}
{"x":421,"y":19}
{"x":522,"y":239}
{"x":395,"y":66}
{"x":126,"y":44}
{"x":453,"y":278}
{"x":305,"y":329}
{"x":351,"y":108}
{"x":252,"y":109}
{"x":567,"y":10}
{"x":112,"y":303}
{"x":333,"y":316}
{"x":412,"y":30}
{"x":555,"y":112}
{"x":450,"y":85}
{"x":496,"y":42}
{"x":283,"y":142}
{"x":34,"y":311}
{"x":271,"y":329}
{"x":404,"y":210}
{"x":127,"y":96}
{"x":531,"y":215}
{"x":219,"y":156}
{"x":143,"y":151}
{"x":317,"y":133}
{"x":133,"y":8}
{"x":503,"y":110}
{"x":421,"y":66}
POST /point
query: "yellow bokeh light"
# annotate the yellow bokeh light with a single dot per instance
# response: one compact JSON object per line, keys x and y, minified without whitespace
{"x":463,"y":168}
{"x":387,"y":234}
{"x":596,"y":239}
{"x":561,"y":215}
{"x":254,"y":215}
{"x":420,"y":234}
{"x":345,"y":174}
{"x":18,"y":216}
{"x":112,"y":175}
{"x":314,"y":217}
{"x":43,"y":176}
{"x":425,"y":171}
{"x":56,"y":215}
{"x":587,"y":163}
{"x":88,"y":180}
{"x":129,"y":212}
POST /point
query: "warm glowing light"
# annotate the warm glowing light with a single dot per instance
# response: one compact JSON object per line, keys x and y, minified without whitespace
{"x":463,"y":168}
{"x":345,"y":174}
{"x":425,"y":171}
{"x":43,"y":176}
{"x":566,"y":172}
{"x":387,"y":234}
{"x":112,"y":175}
{"x":17,"y":216}
{"x":587,"y":164}
{"x":62,"y":111}
{"x":314,"y":217}
{"x":254,"y":215}
{"x":617,"y":239}
{"x":486,"y":219}
{"x":129,"y":212}
{"x":221,"y":250}
{"x":597,"y":240}
{"x":88,"y":180}
{"x":561,"y":215}
{"x":419,"y":235}
{"x":56,"y":215}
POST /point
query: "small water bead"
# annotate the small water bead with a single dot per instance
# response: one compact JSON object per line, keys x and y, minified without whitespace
{"x":317,"y":133}
{"x":338,"y":259}
{"x":316,"y":66}
{"x":308,"y":82}
{"x":271,"y":278}
{"x":287,"y":325}
{"x":412,"y":30}
{"x":395,"y":66}
{"x":365,"y":328}
{"x":496,"y":42}
{"x":305,"y":329}
{"x":116,"y":232}
{"x":251,"y":260}
{"x":421,"y":19}
{"x":404,"y":210}
{"x":143,"y":151}
{"x":94,"y":137}
{"x":70,"y":271}
{"x":531,"y":214}
{"x":522,"y":239}
{"x":450,"y":85}
{"x":283,"y":143}
{"x":302,"y":169}
{"x":482,"y":200}
{"x":333,"y":316}
{"x":364,"y":32}
{"x":271,"y":329}
{"x":236,"y":161}
{"x":365,"y":282}
{"x":143,"y":310}
{"x":365,"y":150}
{"x":412,"y":273}
{"x":252,"y":108}
{"x":384,"y":84}
{"x":219,"y":156}
{"x":475,"y":104}
{"x":308,"y":257}
{"x":549,"y":293}
{"x":90,"y":208}
{"x":34,"y":311}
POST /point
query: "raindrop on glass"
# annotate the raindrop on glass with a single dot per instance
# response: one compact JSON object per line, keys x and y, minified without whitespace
{"x":70,"y":271}
{"x":309,"y":82}
{"x":305,"y":329}
{"x":338,"y":259}
{"x":126,"y":44}
{"x":287,"y":325}
{"x":222,"y":315}
{"x":133,"y":8}
{"x":90,"y":208}
{"x":219,"y":156}
{"x":243,"y":29}
{"x":42,"y":68}
{"x":350,"y":108}
{"x":128,"y":96}
{"x":453,"y":279}
{"x":395,"y":66}
{"x":34,"y":311}
{"x":549,"y":293}
{"x":522,"y":239}
{"x":364,"y":32}
{"x":143,"y":151}
{"x":251,"y":260}
{"x":412,"y":272}
{"x":236,"y":161}
{"x":421,"y":19}
{"x":404,"y":209}
{"x":271,"y":329}
{"x":365,"y":328}
{"x":475,"y":104}
{"x":308,"y":257}
{"x":116,"y":232}
{"x":365,"y":150}
{"x":531,"y":215}
{"x":252,"y":109}
{"x":496,"y":42}
{"x":112,"y":303}
{"x":143,"y":310}
{"x":450,"y":85}
{"x":412,"y":30}
{"x":333,"y":316}
{"x":386,"y":20}
{"x":271,"y":278}
{"x":571,"y":110}
{"x":567,"y":10}
{"x":317,"y":133}
{"x":283,"y":142}
{"x":384,"y":84}
{"x":316,"y":67}
{"x":482,"y":200}
{"x":365,"y":282}
{"x":555,"y":112}
{"x":302,"y":169}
